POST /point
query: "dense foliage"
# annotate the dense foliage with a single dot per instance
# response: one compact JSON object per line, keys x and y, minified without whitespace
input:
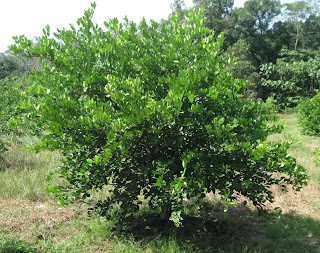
{"x":14,"y":100}
{"x":267,"y":29}
{"x":14,"y":95}
{"x":309,"y":115}
{"x":150,"y":111}
{"x":7,"y":66}
{"x":15,"y":66}
{"x":242,"y":67}
{"x":288,"y":81}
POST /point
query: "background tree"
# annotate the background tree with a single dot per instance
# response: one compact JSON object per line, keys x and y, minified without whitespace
{"x":310,"y":34}
{"x":281,"y":37}
{"x":7,"y":66}
{"x":252,"y":23}
{"x":243,"y":23}
{"x":216,"y":13}
{"x":243,"y":67}
{"x":270,"y":37}
{"x":263,"y":12}
{"x":296,"y":13}
{"x":178,"y":6}
{"x":11,"y":65}
{"x":14,"y":100}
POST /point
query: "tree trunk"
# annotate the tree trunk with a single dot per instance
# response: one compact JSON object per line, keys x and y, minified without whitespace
{"x":297,"y":38}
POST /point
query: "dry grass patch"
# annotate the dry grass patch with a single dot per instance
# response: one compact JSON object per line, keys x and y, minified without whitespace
{"x":21,"y":216}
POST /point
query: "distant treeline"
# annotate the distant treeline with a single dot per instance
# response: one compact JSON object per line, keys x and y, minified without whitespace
{"x":276,"y":46}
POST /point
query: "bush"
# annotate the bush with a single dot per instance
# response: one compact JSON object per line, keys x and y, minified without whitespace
{"x":309,"y":115}
{"x":271,"y":105}
{"x":151,"y":111}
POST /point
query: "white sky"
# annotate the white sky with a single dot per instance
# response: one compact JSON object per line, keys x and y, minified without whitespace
{"x":29,"y":17}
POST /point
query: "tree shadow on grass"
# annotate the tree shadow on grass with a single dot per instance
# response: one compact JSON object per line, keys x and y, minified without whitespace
{"x":238,"y":230}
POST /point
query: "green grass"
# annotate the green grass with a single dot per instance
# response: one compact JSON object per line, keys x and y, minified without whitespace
{"x":24,"y":174}
{"x":14,"y":245}
{"x":30,"y":220}
{"x":304,"y":147}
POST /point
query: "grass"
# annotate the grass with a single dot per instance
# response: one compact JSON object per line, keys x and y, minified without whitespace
{"x":25,"y":172}
{"x":30,"y":220}
{"x":304,"y":147}
{"x":13,"y":245}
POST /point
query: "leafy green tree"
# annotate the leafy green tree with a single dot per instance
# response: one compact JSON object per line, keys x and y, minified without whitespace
{"x":253,"y":23}
{"x":263,"y":12}
{"x":243,"y":67}
{"x":297,"y":12}
{"x":216,"y":13}
{"x":178,"y":6}
{"x":150,"y":111}
{"x":310,"y":34}
{"x":281,"y":37}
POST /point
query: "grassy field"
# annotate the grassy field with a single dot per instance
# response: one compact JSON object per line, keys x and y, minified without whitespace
{"x":30,"y":220}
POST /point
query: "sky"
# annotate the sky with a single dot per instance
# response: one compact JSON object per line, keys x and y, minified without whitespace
{"x":29,"y":17}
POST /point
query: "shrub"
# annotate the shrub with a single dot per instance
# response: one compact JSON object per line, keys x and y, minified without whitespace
{"x":151,"y":111}
{"x":271,"y":105}
{"x":309,"y":115}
